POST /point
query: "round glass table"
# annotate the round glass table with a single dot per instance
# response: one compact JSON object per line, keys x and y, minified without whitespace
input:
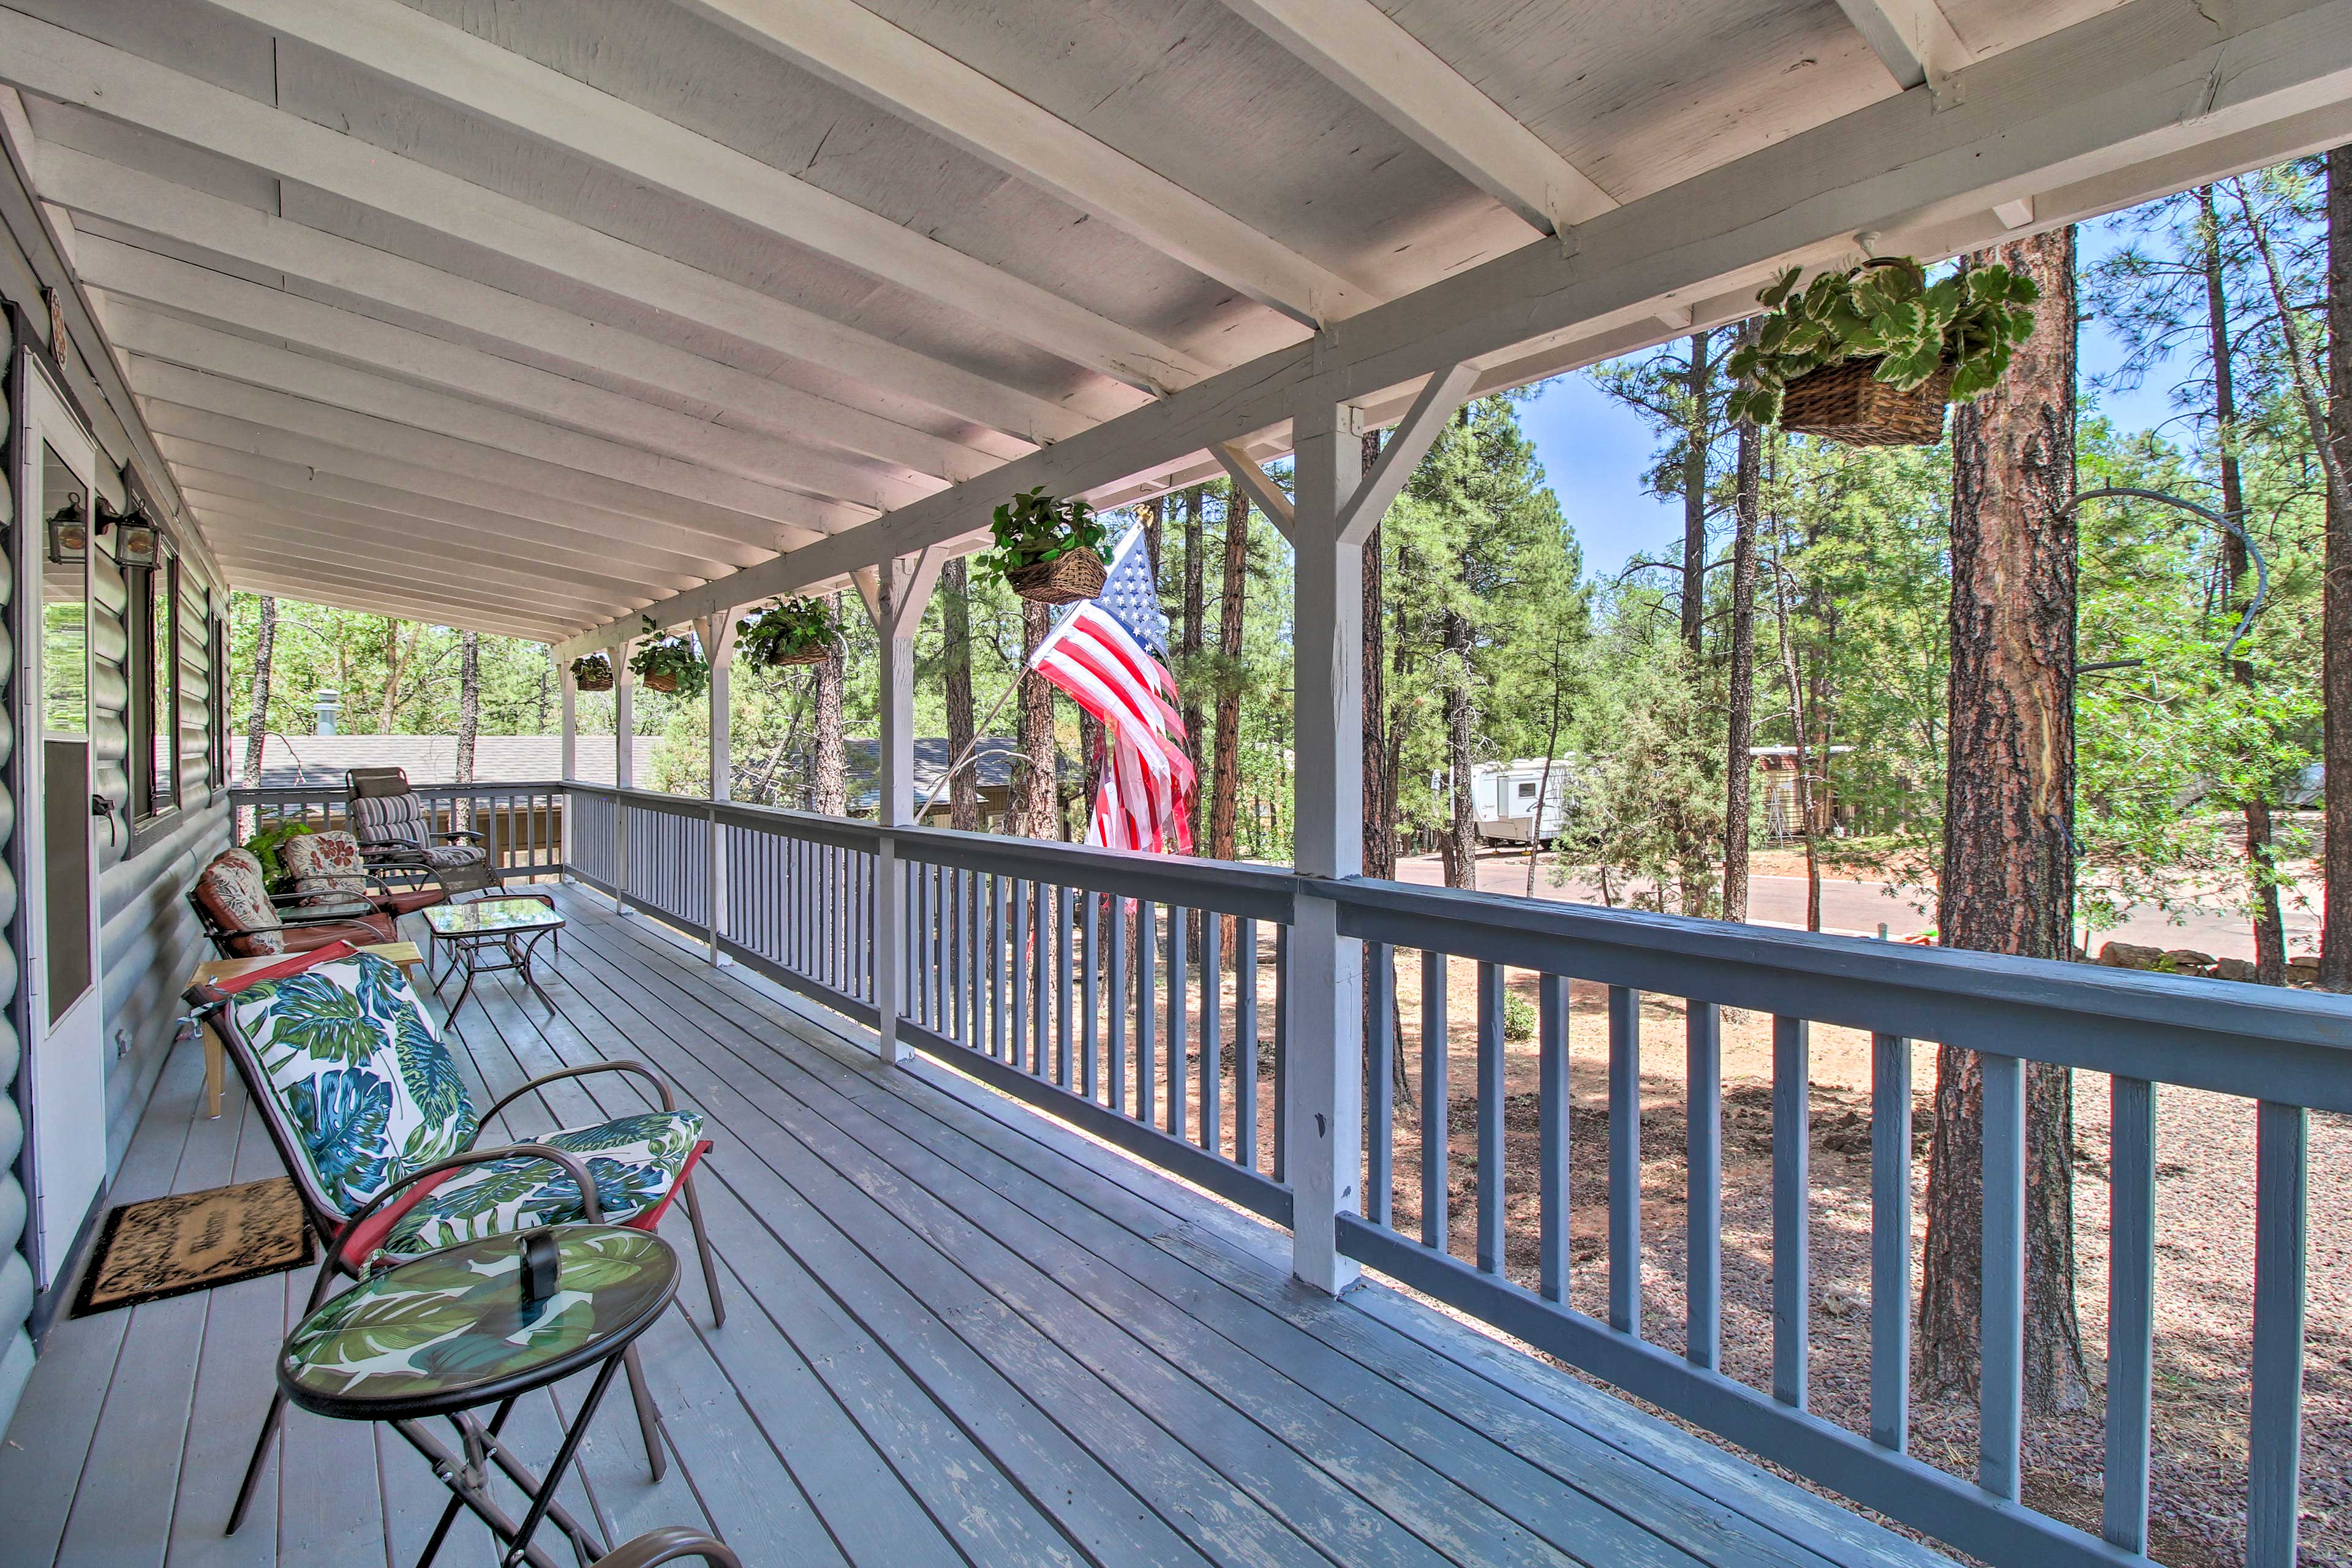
{"x":479,"y":1325}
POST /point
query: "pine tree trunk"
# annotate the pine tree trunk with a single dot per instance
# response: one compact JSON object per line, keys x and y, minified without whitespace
{"x":955,"y":676}
{"x":1461,"y":842}
{"x":2008,"y":879}
{"x":2336,"y":921}
{"x":1033,"y":783}
{"x":830,"y":781}
{"x":1380,"y":779}
{"x":2270,"y":930}
{"x":469,"y":716}
{"x":1700,"y":384}
{"x":1739,"y":730}
{"x":547,"y":678}
{"x":1225,"y":772}
{"x":1191,"y":640}
{"x":257,"y":723}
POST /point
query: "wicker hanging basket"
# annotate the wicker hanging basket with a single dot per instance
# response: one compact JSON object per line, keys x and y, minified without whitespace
{"x":592,"y":675}
{"x":661,"y":680}
{"x":814,"y":653}
{"x":1847,"y":402}
{"x":1073,"y":575}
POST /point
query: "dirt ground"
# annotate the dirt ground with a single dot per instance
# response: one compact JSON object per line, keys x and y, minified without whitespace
{"x":2204,"y":1265}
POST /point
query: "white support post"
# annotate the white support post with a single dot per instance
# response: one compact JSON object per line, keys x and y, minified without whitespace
{"x":624,"y":769}
{"x":568,"y":748}
{"x":718,"y":635}
{"x":895,"y":600}
{"x":1323,"y":1136}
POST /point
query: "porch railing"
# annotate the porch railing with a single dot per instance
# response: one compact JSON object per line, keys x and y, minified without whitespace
{"x":521,"y":823}
{"x":1146,"y":1002}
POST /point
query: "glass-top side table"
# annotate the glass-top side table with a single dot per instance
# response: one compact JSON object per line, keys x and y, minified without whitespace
{"x":465,"y":1327}
{"x":489,"y":936}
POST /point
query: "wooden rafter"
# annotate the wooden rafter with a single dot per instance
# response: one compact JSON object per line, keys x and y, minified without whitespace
{"x":1913,"y":39}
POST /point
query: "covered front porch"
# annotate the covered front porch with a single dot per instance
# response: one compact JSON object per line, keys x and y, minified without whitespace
{"x":961,"y":1333}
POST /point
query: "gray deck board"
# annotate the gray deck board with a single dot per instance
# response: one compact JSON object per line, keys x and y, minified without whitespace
{"x":960,"y":1333}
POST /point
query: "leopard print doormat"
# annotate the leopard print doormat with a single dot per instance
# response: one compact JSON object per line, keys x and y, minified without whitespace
{"x":195,"y":1241}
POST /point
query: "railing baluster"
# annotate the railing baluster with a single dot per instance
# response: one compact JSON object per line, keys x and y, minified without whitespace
{"x":1089,"y":978}
{"x":1041,"y":922}
{"x":1626,"y":1159}
{"x":2131,"y":1307}
{"x":1115,"y":1023}
{"x":1021,"y":969}
{"x":1246,"y":1136}
{"x":1281,"y":1048}
{"x":1792,"y":1269}
{"x":2000,"y":1385}
{"x":1179,"y":1024}
{"x":1703,"y":1190}
{"x":1212,"y":1034}
{"x":1380,"y":1085}
{"x":1063,"y":934}
{"x":2274,"y":1465}
{"x":1490,"y":1118}
{"x":1435,"y":1113}
{"x":1890,"y":1243}
{"x":1552,"y":1112}
{"x":1147,"y":1035}
{"x":1000,"y":968}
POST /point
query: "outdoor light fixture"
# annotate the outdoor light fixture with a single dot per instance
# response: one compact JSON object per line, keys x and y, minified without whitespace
{"x":138,"y":542}
{"x":69,"y":533}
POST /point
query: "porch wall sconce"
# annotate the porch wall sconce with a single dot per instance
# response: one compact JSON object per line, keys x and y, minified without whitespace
{"x":69,"y":534}
{"x":138,"y":542}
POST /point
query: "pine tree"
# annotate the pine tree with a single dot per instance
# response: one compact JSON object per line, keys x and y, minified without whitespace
{"x":955,"y":677}
{"x":829,"y":782}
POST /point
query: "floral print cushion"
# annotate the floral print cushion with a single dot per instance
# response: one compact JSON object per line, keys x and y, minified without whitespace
{"x":634,"y":1161}
{"x":360,"y":1070}
{"x":232,"y":890}
{"x":326,"y":865}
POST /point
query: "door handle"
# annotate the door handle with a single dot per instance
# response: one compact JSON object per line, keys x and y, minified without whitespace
{"x":101,"y":807}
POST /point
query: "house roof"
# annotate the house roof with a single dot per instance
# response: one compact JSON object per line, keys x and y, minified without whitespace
{"x":993,"y":759}
{"x":286,"y":761}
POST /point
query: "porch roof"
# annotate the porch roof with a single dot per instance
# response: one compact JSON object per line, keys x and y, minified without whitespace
{"x":532,"y":318}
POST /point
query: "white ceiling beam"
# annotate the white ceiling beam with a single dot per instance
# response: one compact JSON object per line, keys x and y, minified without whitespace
{"x":1257,"y":484}
{"x":1912,"y":38}
{"x":265,"y":568}
{"x":308,"y":326}
{"x":778,"y":517}
{"x":461,"y":547}
{"x":2111,"y":110}
{"x":2016,"y":213}
{"x":151,"y":205}
{"x":1444,"y":392}
{"x":902,"y":75}
{"x":40,"y":57}
{"x":441,"y":61}
{"x":289,"y":547}
{"x":1369,"y":55}
{"x":296,"y":429}
{"x":614,"y":548}
{"x":250,"y":525}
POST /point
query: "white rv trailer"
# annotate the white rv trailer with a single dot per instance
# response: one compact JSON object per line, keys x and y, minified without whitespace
{"x":1503,"y":798}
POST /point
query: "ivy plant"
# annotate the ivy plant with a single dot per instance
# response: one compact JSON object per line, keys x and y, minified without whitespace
{"x":1034,"y":528}
{"x":1969,"y":321}
{"x":264,"y":846}
{"x":672,"y":655}
{"x":784,"y":628}
{"x":593,"y":672}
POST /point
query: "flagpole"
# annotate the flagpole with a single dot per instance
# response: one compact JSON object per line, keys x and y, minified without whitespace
{"x":971,"y":745}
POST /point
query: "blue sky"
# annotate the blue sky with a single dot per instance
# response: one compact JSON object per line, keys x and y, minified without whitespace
{"x":1594,"y":451}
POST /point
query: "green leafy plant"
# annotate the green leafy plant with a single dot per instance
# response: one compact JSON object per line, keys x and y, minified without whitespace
{"x":671,"y":657}
{"x":1969,"y":321}
{"x":264,"y":848}
{"x":789,"y":627}
{"x":593,"y":672}
{"x":1034,"y":528}
{"x":1518,"y":1016}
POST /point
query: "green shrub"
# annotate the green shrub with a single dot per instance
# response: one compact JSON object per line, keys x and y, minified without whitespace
{"x":263,"y":846}
{"x":1519,"y":1017}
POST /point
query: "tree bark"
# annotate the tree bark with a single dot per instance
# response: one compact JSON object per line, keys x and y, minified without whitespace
{"x":2270,"y":929}
{"x":1699,"y":382}
{"x":2336,"y":919}
{"x":1032,"y":781}
{"x":1192,"y":639}
{"x":257,"y":723}
{"x":1225,"y":772}
{"x":955,"y":675}
{"x":469,"y":715}
{"x":1740,"y":726}
{"x":1461,"y":842}
{"x":2008,"y":881}
{"x":830,"y":776}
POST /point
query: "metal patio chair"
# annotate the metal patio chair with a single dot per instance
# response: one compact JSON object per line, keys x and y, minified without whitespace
{"x":394,"y":834}
{"x":376,"y":1128}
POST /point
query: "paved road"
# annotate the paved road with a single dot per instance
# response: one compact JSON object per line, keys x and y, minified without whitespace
{"x":1857,"y":908}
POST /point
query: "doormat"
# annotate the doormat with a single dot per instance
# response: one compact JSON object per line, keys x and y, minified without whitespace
{"x":195,"y":1241}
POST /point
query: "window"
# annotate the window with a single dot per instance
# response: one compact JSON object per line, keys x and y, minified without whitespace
{"x":1526,"y":789}
{"x":156,"y":687}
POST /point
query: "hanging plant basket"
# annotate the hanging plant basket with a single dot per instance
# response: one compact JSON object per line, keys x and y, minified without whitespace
{"x":1067,"y":578}
{"x":593,"y":673}
{"x":1049,"y":552}
{"x":1847,"y":402}
{"x":670,"y":665}
{"x":791,"y":632}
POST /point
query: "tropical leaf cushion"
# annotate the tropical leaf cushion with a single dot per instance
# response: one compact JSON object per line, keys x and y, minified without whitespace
{"x":634,"y":1161}
{"x":360,"y":1071}
{"x":325,"y":865}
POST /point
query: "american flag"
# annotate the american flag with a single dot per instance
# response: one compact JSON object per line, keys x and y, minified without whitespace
{"x":1109,"y":656}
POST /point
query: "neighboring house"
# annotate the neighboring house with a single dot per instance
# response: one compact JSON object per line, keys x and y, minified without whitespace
{"x":287,"y":760}
{"x":1779,"y":795}
{"x":995,"y":758}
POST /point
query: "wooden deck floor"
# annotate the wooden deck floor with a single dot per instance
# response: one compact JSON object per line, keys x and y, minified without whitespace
{"x":959,"y":1334}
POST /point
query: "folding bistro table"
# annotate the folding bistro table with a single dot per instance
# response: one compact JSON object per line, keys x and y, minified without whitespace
{"x":481,"y":929}
{"x":482,"y":1324}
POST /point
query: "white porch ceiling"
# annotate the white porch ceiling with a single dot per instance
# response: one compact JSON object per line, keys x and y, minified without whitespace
{"x":531,"y":314}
